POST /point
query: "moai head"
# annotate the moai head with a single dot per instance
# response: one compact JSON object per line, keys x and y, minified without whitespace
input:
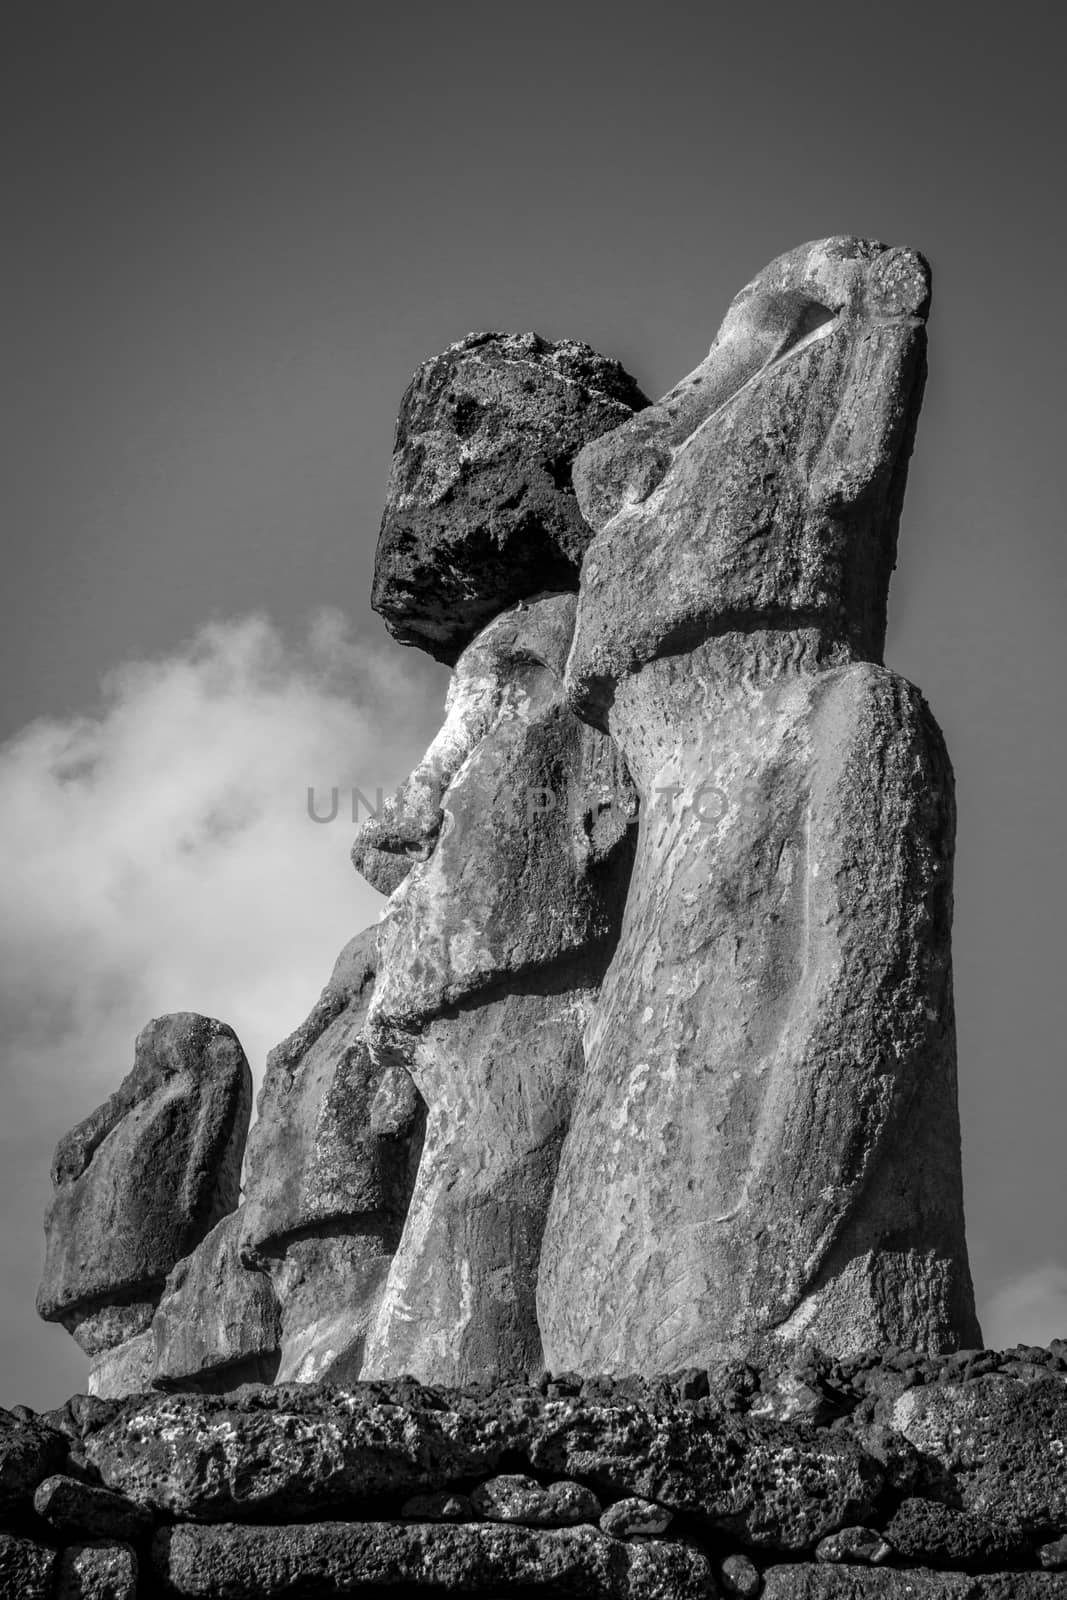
{"x":141,"y":1182}
{"x":480,"y":509}
{"x":506,"y":839}
{"x":515,"y":817}
{"x":764,"y":490}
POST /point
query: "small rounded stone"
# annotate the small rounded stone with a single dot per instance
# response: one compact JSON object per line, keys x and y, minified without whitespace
{"x":740,"y":1576}
{"x":635,"y":1517}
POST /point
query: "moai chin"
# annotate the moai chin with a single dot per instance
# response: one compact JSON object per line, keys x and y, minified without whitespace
{"x":765,"y":1150}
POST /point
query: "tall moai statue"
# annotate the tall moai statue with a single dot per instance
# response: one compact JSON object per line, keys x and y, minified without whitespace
{"x":328,"y":1177}
{"x":506,"y":853}
{"x":765,"y":1149}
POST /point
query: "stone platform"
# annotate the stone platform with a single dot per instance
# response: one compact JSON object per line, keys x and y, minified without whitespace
{"x":891,"y":1476}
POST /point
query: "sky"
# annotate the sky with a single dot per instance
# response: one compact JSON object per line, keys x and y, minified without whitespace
{"x":231,"y":233}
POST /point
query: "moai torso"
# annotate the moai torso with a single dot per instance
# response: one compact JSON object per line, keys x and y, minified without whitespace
{"x":765,"y":1149}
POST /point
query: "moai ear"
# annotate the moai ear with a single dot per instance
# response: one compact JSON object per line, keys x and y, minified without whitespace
{"x":886,"y":363}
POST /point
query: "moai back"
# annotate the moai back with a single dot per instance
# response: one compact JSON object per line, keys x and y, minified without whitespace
{"x":765,"y":1149}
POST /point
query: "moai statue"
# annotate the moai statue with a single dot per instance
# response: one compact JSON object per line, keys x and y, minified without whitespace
{"x":765,"y":1149}
{"x":330,"y":1167}
{"x":217,"y":1324}
{"x":137,"y":1185}
{"x":491,"y":953}
{"x":506,"y":853}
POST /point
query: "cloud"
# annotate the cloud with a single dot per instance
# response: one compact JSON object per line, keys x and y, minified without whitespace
{"x":1029,"y":1309}
{"x":158,"y":856}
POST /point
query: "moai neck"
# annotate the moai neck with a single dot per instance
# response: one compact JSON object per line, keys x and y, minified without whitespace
{"x":676,"y":710}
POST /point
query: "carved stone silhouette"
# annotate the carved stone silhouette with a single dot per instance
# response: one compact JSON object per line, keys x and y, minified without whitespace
{"x":138,"y":1184}
{"x":547,"y":1113}
{"x":514,"y":831}
{"x":765,"y":1148}
{"x":330,"y":1167}
{"x":217,"y":1324}
{"x":480,"y":510}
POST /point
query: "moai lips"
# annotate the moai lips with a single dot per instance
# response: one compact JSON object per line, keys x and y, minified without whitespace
{"x":490,"y":953}
{"x":765,"y":1147}
{"x":140,"y":1182}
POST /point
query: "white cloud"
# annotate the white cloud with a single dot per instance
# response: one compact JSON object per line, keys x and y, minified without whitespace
{"x":1029,"y":1309}
{"x":158,"y":856}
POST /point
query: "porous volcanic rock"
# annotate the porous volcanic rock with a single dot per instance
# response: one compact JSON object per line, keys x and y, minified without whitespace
{"x":635,"y":1517}
{"x":925,"y":1533}
{"x":144,"y":1178}
{"x":293,"y":1452}
{"x":910,"y":1583}
{"x":854,"y":1546}
{"x":26,"y":1568}
{"x":87,"y":1511}
{"x":513,"y":1497}
{"x":29,"y":1451}
{"x":1002,"y":1440}
{"x":100,"y":1570}
{"x":347,"y":1558}
{"x":480,"y":511}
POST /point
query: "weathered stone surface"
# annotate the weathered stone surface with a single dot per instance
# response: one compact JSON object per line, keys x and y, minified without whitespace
{"x":480,"y":511}
{"x":764,"y":1152}
{"x":287,"y":1453}
{"x":767,"y":1486}
{"x":202,"y":1458}
{"x":331,"y":1164}
{"x":217,"y":1321}
{"x":346,"y":1558}
{"x":926,"y":1533}
{"x":1002,"y":1440}
{"x":913,"y":1583}
{"x":855,"y":1546}
{"x":86,"y":1510}
{"x":140,"y":1182}
{"x":103,"y":1570}
{"x":740,"y":1576}
{"x":627,"y":1518}
{"x":29,"y":1451}
{"x":1053,"y":1555}
{"x":514,"y":828}
{"x":517,"y":1498}
{"x":26,"y":1568}
{"x":126,"y":1369}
